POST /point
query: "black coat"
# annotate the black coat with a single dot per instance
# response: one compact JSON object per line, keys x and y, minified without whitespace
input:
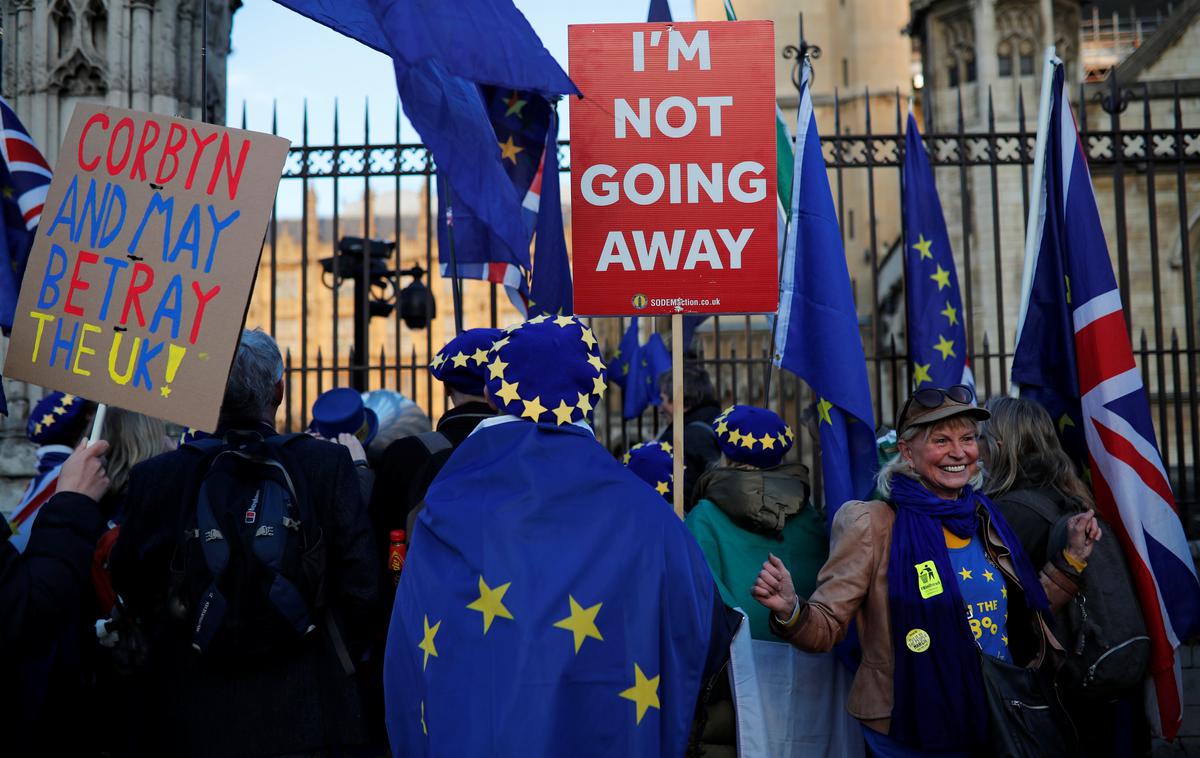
{"x":700,"y":448}
{"x":301,"y":703}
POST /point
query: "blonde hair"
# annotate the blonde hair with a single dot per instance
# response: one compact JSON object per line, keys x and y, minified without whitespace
{"x":132,"y":438}
{"x":883,"y":480}
{"x":1021,"y":444}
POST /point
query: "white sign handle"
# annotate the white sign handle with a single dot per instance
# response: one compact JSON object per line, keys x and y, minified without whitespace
{"x":97,"y":423}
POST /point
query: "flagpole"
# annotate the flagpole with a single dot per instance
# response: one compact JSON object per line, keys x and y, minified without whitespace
{"x":455,"y":280}
{"x":677,"y":487}
{"x":1037,"y":209}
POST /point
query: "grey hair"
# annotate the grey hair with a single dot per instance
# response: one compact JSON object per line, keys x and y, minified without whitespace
{"x":883,"y":480}
{"x":257,"y":368}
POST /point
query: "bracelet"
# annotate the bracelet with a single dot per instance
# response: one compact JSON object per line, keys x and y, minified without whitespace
{"x":1072,"y":561}
{"x":791,"y":620}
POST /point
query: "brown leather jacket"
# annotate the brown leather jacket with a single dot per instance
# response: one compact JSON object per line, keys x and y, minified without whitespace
{"x":852,"y":585}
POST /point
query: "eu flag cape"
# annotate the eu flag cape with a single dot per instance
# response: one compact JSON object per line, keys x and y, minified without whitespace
{"x":552,"y":604}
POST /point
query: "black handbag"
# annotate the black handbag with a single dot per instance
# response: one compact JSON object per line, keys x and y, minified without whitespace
{"x":1025,"y":715}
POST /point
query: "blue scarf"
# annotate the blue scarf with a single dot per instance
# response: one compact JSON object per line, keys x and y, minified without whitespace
{"x":939,"y":701}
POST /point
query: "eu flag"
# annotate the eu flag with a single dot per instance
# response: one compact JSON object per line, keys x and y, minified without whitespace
{"x":441,"y":52}
{"x":550,"y":289}
{"x":619,"y":363}
{"x":816,"y":334}
{"x":552,"y":605}
{"x":649,"y":362}
{"x":937,"y":339}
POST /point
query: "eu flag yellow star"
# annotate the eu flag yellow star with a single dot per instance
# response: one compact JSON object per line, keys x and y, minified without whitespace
{"x":479,"y":356}
{"x":942,"y":277}
{"x":644,"y":692}
{"x":951,"y":313}
{"x":538,"y":319}
{"x":515,"y":105}
{"x":722,"y":427}
{"x":965,"y":574}
{"x":427,"y":643}
{"x":581,"y":623}
{"x":588,"y":338}
{"x":768,"y":442}
{"x":48,"y":419}
{"x":438,"y":360}
{"x":748,"y":441}
{"x":499,"y":344}
{"x":584,"y":404}
{"x":666,"y":446}
{"x":496,"y":368}
{"x":922,"y":247}
{"x":460,"y":359}
{"x":921,"y":373}
{"x":734,"y":436}
{"x":59,"y":410}
{"x":596,"y":362}
{"x":662,"y":487}
{"x":598,"y":386}
{"x":508,"y":391}
{"x":533,"y":409}
{"x":564,"y":321}
{"x":491,"y":603}
{"x":989,"y":576}
{"x":823,"y":408}
{"x":562,"y":414}
{"x":508,"y":150}
{"x":945,"y":347}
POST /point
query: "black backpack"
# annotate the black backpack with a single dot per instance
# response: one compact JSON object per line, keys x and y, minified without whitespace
{"x":248,"y":572}
{"x":1102,"y":629}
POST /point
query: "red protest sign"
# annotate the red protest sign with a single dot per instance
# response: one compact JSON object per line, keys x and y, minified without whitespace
{"x":673,"y":206}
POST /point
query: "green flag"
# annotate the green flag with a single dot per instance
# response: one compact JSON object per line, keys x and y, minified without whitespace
{"x":783,"y":144}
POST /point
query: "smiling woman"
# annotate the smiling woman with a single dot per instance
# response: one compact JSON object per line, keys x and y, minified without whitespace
{"x":950,"y":612}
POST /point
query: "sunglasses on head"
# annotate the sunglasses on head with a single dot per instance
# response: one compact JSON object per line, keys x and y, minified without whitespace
{"x":932,"y":397}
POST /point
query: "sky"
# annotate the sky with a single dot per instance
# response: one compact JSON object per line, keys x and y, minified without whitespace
{"x":280,"y":58}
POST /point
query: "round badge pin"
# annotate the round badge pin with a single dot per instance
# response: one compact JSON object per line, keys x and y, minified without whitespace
{"x":639,"y":301}
{"x":917,"y":640}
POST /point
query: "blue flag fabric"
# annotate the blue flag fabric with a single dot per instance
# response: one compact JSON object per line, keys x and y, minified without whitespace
{"x":817,"y":336}
{"x":552,"y":604}
{"x":440,"y":52}
{"x":641,"y":387}
{"x":937,"y":338}
{"x":660,"y":11}
{"x":550,"y":290}
{"x":620,"y":361}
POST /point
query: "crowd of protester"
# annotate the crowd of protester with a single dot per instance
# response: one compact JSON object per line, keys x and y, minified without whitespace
{"x":245,"y":592}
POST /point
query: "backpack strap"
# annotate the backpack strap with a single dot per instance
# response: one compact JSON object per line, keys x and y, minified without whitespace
{"x":434,"y":442}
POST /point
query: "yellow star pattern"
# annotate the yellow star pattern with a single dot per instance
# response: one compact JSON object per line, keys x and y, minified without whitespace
{"x":945,"y":347}
{"x":564,"y":321}
{"x":460,"y":359}
{"x":1004,"y":592}
{"x":921,"y":373}
{"x":59,"y":410}
{"x":748,"y":441}
{"x":965,"y":574}
{"x":479,"y":356}
{"x":596,"y":362}
{"x":644,"y":692}
{"x":666,"y":446}
{"x":508,"y":391}
{"x":539,"y":319}
{"x":942,"y":277}
{"x":499,"y":344}
{"x":48,"y":419}
{"x":662,"y":487}
{"x":581,"y":623}
{"x":438,"y":360}
{"x":598,"y":386}
{"x":584,"y":404}
{"x":722,"y":427}
{"x":496,"y":368}
{"x":427,"y":643}
{"x":491,"y":603}
{"x":989,"y":576}
{"x":588,"y":338}
{"x":922,"y":247}
{"x":768,"y":442}
{"x":951,"y":313}
{"x":508,"y":150}
{"x":734,"y":436}
{"x":562,"y":414}
{"x":533,"y":409}
{"x":823,"y":407}
{"x":37,"y":428}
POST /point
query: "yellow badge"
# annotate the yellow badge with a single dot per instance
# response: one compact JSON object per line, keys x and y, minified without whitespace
{"x":928,"y":581}
{"x":917,"y":640}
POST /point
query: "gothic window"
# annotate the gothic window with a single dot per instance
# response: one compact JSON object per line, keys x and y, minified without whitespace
{"x":1004,"y":61}
{"x":1026,"y":58}
{"x":953,"y":72}
{"x":97,"y":18}
{"x":63,"y":24}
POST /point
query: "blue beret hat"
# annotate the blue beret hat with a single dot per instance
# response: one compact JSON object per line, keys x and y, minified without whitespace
{"x":753,"y":435}
{"x":56,"y":419}
{"x":652,"y":463}
{"x":547,"y":370}
{"x":341,"y":410}
{"x":460,"y":364}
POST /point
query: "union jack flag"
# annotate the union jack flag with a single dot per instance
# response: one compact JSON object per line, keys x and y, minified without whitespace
{"x":24,"y":180}
{"x":1074,"y":355}
{"x":40,"y":489}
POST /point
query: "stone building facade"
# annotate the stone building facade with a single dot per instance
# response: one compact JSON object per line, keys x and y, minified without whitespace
{"x":140,"y":54}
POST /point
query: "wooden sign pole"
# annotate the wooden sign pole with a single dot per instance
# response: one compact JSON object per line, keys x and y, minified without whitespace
{"x":677,"y":416}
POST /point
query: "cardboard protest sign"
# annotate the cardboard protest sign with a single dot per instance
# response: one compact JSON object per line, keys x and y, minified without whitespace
{"x":673,"y":205}
{"x":137,"y":284}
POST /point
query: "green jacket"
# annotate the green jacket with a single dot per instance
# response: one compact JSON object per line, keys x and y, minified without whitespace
{"x":741,"y":516}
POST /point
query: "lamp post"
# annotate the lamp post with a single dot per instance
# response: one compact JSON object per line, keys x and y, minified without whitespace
{"x":365,"y":262}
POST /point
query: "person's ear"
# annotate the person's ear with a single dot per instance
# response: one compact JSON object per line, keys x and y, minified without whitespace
{"x":905,"y":451}
{"x":277,"y":395}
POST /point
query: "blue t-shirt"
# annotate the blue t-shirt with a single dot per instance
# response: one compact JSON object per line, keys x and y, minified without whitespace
{"x":985,"y":597}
